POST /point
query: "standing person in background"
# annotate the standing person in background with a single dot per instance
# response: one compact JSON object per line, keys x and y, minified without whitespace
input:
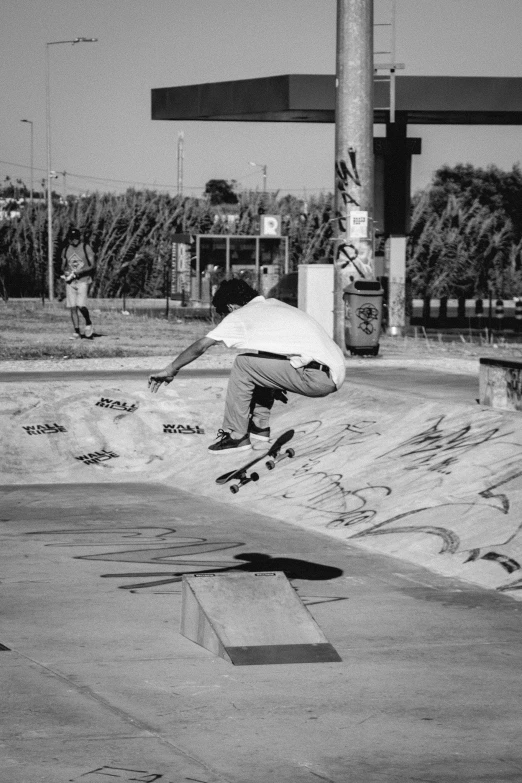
{"x":78,"y":267}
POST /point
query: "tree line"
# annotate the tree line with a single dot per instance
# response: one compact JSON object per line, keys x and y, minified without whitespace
{"x":466,"y":234}
{"x":465,"y":237}
{"x":132,"y":234}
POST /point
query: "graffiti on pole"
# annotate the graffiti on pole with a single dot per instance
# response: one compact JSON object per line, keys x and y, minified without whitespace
{"x":354,"y":246}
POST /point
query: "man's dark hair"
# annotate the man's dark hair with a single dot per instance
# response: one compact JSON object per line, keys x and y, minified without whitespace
{"x":74,"y":233}
{"x":235,"y":291}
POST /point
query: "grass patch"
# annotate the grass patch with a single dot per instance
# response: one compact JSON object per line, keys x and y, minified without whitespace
{"x":29,"y":331}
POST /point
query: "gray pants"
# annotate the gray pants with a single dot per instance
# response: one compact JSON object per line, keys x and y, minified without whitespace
{"x":253,"y":381}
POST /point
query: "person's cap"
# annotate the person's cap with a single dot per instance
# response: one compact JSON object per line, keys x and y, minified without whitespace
{"x":74,"y":233}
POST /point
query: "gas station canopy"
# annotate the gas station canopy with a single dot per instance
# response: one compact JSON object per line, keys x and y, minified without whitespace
{"x":422,"y":100}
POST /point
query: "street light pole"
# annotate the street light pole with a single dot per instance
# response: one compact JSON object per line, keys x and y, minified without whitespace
{"x":263,"y":167}
{"x":50,"y":173}
{"x":30,"y":122}
{"x":181,"y":138}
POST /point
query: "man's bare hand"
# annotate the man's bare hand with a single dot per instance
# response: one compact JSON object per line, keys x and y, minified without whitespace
{"x":163,"y":376}
{"x":185,"y":357}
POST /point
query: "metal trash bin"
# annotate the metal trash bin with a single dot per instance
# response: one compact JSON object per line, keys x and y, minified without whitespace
{"x":363,"y":301}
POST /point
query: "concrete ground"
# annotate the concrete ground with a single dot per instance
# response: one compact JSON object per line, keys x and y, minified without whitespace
{"x":396,"y":522}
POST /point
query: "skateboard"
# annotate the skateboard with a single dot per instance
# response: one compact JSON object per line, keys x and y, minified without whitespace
{"x":272,"y":457}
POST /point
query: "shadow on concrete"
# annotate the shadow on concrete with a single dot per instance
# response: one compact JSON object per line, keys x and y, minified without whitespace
{"x":293,"y":568}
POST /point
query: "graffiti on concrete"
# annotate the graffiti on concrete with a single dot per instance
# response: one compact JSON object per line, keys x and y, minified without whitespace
{"x":117,"y":405}
{"x":95,"y":457}
{"x":163,"y":547}
{"x":438,"y":448}
{"x":183,"y":429}
{"x":420,"y":466}
{"x":157,"y":546}
{"x":315,"y":439}
{"x":322,"y":489}
{"x":101,"y":774}
{"x":44,"y":429}
{"x":514,"y":384}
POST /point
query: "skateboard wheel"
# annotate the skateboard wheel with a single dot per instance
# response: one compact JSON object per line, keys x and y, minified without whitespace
{"x":255,"y":476}
{"x":270,"y":464}
{"x":290,"y":453}
{"x":234,"y":488}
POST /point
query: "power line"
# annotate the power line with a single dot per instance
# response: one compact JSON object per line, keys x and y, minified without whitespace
{"x":136,"y":182}
{"x":104,"y":179}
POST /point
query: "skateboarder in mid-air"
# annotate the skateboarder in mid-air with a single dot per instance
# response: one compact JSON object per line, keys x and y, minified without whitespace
{"x":284,"y":350}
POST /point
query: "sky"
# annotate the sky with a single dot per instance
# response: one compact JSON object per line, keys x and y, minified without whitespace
{"x":101,"y":128}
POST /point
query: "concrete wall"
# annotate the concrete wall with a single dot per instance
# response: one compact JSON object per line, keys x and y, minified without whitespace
{"x":501,"y":384}
{"x":315,"y":293}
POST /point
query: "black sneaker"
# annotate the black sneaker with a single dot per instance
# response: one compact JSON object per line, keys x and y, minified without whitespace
{"x":258,"y":433}
{"x":226,"y":443}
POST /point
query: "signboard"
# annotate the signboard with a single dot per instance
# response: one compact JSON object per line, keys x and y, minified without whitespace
{"x":358,"y":224}
{"x":270,"y":226}
{"x":180,"y":268}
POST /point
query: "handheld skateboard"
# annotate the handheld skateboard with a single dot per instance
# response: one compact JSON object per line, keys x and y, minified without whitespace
{"x":272,"y":457}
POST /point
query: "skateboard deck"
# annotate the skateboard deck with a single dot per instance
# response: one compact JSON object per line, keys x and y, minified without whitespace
{"x":271,"y":455}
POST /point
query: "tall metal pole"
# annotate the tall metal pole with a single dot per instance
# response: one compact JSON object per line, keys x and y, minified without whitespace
{"x":263,"y":167}
{"x":32,"y":163}
{"x":181,"y":137}
{"x":354,"y":165}
{"x":30,"y":122}
{"x":392,"y":53}
{"x":51,"y":174}
{"x":50,"y":266}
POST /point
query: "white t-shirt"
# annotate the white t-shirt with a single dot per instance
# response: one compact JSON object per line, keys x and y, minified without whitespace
{"x":275,"y":327}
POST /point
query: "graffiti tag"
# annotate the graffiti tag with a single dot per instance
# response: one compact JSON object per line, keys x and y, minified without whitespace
{"x":117,"y":405}
{"x":183,"y":429}
{"x":95,"y":457}
{"x":44,"y":429}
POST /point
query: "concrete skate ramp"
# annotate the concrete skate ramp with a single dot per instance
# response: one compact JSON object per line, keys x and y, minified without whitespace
{"x":254,"y":618}
{"x":434,"y":483}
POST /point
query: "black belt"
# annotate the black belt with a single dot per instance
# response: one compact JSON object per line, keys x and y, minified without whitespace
{"x":317,"y":366}
{"x":268,"y":355}
{"x":309,"y":366}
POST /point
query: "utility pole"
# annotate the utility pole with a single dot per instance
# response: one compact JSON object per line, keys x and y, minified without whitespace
{"x":51,"y":174}
{"x":354,"y":164}
{"x":181,"y":137}
{"x":263,"y":168}
{"x":30,"y":122}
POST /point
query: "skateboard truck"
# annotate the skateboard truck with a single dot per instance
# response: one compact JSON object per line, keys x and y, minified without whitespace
{"x":241,"y":475}
{"x":271,"y":463}
{"x":243,"y":480}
